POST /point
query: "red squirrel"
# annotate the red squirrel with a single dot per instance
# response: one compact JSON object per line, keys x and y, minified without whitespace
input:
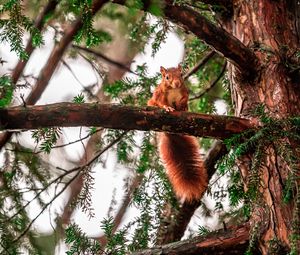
{"x":180,"y":153}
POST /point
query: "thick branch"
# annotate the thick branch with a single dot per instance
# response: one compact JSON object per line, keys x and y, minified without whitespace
{"x":122,"y":117}
{"x":39,"y":22}
{"x":49,"y":68}
{"x":223,"y":42}
{"x":232,"y":241}
{"x":218,"y":38}
{"x":56,"y":55}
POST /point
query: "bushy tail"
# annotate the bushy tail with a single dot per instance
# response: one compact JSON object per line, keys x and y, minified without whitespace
{"x":185,"y":169}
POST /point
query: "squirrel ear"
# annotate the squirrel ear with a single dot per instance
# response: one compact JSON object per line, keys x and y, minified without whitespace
{"x":179,"y":68}
{"x":162,"y":70}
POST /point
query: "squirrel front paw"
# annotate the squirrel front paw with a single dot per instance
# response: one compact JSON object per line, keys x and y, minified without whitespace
{"x":168,"y":108}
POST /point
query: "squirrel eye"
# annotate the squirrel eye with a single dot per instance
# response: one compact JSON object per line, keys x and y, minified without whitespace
{"x":167,"y":77}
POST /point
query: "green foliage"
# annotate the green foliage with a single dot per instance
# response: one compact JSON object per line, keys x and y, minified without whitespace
{"x":87,"y":32}
{"x":23,"y":174}
{"x":116,"y":242}
{"x":144,"y":31}
{"x":84,"y":199}
{"x":203,"y":231}
{"x":47,"y":137}
{"x":147,"y":152}
{"x":194,"y":49}
{"x":133,"y":91}
{"x":271,"y":136}
{"x":79,"y":242}
{"x":6,"y":91}
{"x":79,"y":99}
{"x":13,"y":28}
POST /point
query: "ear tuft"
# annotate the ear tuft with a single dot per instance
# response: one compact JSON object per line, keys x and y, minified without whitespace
{"x":179,"y":68}
{"x":162,"y":70}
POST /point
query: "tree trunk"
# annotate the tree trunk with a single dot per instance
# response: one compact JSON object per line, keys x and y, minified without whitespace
{"x":272,"y":29}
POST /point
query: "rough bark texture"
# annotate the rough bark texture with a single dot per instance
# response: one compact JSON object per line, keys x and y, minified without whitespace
{"x":218,"y":38}
{"x":221,"y":41}
{"x":122,"y":117}
{"x":272,"y":29}
{"x":232,"y":241}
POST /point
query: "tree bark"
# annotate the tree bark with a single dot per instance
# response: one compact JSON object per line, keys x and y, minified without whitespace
{"x":48,"y":70}
{"x":122,"y":117}
{"x":272,"y":29}
{"x":218,"y":38}
{"x":232,"y":241}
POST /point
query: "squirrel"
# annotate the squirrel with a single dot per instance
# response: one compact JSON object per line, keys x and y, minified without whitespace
{"x":179,"y":153}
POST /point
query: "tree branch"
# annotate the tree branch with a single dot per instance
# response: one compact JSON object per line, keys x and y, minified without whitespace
{"x":56,"y":55}
{"x":49,"y":68}
{"x":122,"y":117}
{"x":235,"y":240}
{"x":39,"y":22}
{"x":105,"y":58}
{"x":211,"y":85}
{"x":201,"y":63}
{"x":218,"y":38}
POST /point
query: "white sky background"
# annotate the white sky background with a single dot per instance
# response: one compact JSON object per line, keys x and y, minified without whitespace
{"x":63,"y":87}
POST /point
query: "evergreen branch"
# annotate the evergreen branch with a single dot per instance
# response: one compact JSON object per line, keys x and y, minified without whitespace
{"x":211,"y":85}
{"x":218,"y":38}
{"x":39,"y":23}
{"x":75,"y":141}
{"x":57,"y":179}
{"x":78,"y":171}
{"x":45,"y":207}
{"x":49,"y":68}
{"x":122,"y":117}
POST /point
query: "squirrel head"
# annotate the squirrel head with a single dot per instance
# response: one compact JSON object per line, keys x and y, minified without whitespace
{"x":172,"y":77}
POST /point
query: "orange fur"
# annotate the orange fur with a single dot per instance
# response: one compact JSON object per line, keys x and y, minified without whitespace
{"x":179,"y":153}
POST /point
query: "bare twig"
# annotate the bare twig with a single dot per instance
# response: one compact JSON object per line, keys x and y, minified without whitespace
{"x":78,"y":171}
{"x":211,"y":85}
{"x":201,"y":63}
{"x":105,"y":58}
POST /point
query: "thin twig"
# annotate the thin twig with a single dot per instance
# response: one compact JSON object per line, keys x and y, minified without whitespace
{"x":72,"y":72}
{"x":215,"y":81}
{"x":45,"y":207}
{"x":88,"y":164}
{"x":201,"y":63}
{"x":105,"y":58}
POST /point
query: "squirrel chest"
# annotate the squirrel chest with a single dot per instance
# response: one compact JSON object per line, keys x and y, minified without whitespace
{"x":173,"y":96}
